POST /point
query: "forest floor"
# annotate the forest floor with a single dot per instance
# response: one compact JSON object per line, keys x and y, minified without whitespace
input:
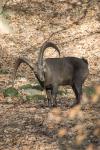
{"x":31,"y":125}
{"x":26,"y":122}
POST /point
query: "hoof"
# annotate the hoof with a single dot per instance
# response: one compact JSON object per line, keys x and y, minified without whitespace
{"x":54,"y":105}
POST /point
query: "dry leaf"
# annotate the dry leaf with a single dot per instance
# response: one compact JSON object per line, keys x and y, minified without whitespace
{"x":73,"y":112}
{"x":80,"y":138}
{"x":90,"y":147}
{"x":56,"y":111}
{"x":62,"y":132}
{"x":97,"y":132}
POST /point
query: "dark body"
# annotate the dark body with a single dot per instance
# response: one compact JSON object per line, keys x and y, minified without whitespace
{"x":64,"y":71}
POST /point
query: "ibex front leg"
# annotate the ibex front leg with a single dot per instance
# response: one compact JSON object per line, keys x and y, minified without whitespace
{"x":49,"y":97}
{"x":77,"y":88}
{"x":54,"y":95}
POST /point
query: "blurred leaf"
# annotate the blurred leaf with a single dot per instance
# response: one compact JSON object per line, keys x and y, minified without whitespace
{"x":74,"y":112}
{"x":97,"y":89}
{"x":55,"y":115}
{"x":89,"y":91}
{"x":90,"y":147}
{"x":62,"y":132}
{"x":95,"y":98}
{"x":97,"y":132}
{"x":80,"y":138}
{"x":56,"y":111}
{"x":1,"y":97}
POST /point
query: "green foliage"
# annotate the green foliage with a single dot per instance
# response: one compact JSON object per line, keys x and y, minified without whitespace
{"x":26,"y":86}
{"x":38,"y":87}
{"x":35,"y":97}
{"x":89,"y":91}
{"x":3,"y":71}
{"x":62,"y":92}
{"x":29,"y":86}
{"x":10,"y":92}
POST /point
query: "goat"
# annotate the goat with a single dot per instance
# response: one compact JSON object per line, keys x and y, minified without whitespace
{"x":54,"y":72}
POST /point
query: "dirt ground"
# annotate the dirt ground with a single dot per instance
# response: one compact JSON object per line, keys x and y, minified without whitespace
{"x":26,"y":127}
{"x":31,"y":125}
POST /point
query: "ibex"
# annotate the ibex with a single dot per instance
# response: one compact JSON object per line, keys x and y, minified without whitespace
{"x":54,"y":72}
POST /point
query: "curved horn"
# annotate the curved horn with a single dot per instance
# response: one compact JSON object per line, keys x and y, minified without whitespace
{"x":17,"y":64}
{"x":42,"y":49}
{"x":40,"y":57}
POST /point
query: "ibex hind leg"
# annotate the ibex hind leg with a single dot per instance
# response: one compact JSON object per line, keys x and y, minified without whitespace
{"x":77,"y":88}
{"x":54,"y":95}
{"x":49,"y":97}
